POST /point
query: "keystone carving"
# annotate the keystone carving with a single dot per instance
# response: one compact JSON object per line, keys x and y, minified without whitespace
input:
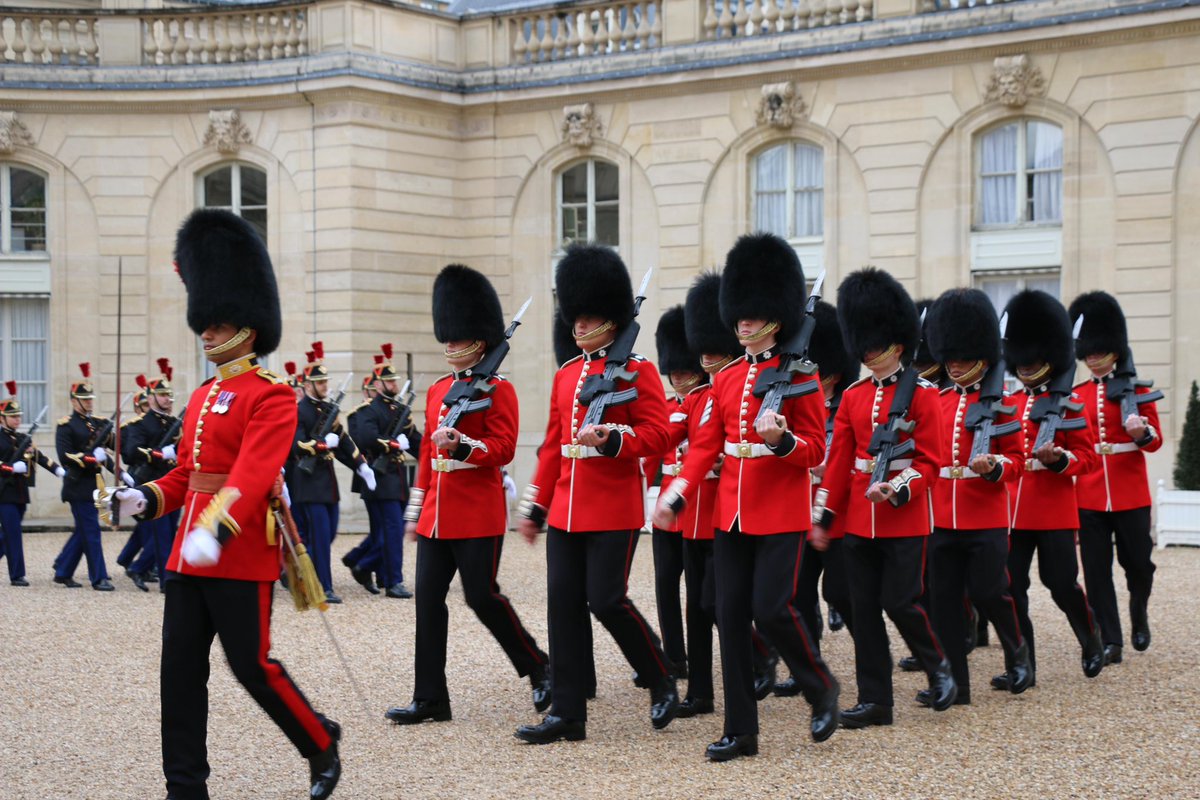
{"x":779,"y":106}
{"x":580,"y":125}
{"x":1014,"y":80}
{"x":226,"y":131}
{"x":13,"y":132}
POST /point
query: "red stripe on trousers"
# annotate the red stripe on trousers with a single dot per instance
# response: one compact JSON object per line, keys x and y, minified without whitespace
{"x":278,"y":680}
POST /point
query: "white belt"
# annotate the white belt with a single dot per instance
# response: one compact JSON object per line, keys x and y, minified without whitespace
{"x":747,"y":450}
{"x":450,"y":465}
{"x":1111,"y":448}
{"x":957,"y":473}
{"x":1033,"y":465}
{"x":580,"y":451}
{"x":867,"y":465}
{"x":673,"y":470}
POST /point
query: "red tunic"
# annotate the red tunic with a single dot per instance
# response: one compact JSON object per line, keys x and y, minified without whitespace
{"x":672,"y":460}
{"x":1120,"y":483}
{"x":837,"y":528}
{"x":696,"y":521}
{"x":1044,"y":500}
{"x":464,"y":491}
{"x":595,"y":492}
{"x":240,"y":424}
{"x":865,"y":404}
{"x":962,"y":502}
{"x":760,"y":492}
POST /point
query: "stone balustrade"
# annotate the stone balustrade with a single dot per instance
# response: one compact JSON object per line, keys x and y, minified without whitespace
{"x":724,"y":19}
{"x":248,"y":34}
{"x":29,"y":36}
{"x":555,"y":34}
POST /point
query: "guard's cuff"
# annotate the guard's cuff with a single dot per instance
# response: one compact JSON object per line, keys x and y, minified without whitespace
{"x":821,"y":515}
{"x":672,"y":498}
{"x":787,"y":443}
{"x":154,"y":501}
{"x":529,"y":508}
{"x":1148,"y":439}
{"x":902,"y":487}
{"x":612,"y":445}
{"x":216,"y":517}
{"x":1063,"y":462}
{"x":997,"y":471}
{"x":416,"y":500}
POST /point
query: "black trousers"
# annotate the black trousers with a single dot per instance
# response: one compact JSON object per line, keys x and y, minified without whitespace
{"x":886,"y":575}
{"x":668,"y":570}
{"x":1059,"y":570}
{"x":1131,"y":531}
{"x":590,"y":571}
{"x":812,"y":564}
{"x":476,"y":561}
{"x":835,"y":587}
{"x":974,"y":562}
{"x":239,"y":612}
{"x":701,"y":588}
{"x":756,"y":583}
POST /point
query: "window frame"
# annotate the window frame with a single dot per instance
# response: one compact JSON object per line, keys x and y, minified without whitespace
{"x":1022,"y":199}
{"x":6,"y":210}
{"x":591,"y":204}
{"x":790,"y":191}
{"x":7,"y":362}
{"x":235,"y":190}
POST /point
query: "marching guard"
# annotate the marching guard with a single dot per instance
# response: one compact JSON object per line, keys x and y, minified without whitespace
{"x":358,"y":486}
{"x":18,"y":457}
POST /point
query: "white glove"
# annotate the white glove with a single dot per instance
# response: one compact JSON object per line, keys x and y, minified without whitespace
{"x":402,"y":440}
{"x":169,"y":453}
{"x":368,"y":475}
{"x":200,"y":548}
{"x":59,"y":472}
{"x":20,"y":468}
{"x":100,"y":455}
{"x":287,"y":497}
{"x":130,"y":502}
{"x":510,"y":487}
{"x":331,"y":440}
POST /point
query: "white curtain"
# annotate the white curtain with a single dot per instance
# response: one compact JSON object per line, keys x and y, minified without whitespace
{"x":998,"y":170}
{"x":810,"y":195}
{"x":1044,"y":152}
{"x":28,"y":322}
{"x":770,"y":191}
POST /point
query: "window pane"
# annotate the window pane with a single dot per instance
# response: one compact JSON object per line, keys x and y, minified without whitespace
{"x":1048,"y":284}
{"x":28,"y":231}
{"x":998,"y":195}
{"x":28,"y":323}
{"x":606,"y":182}
{"x":257,"y":217}
{"x":809,"y":213}
{"x":218,"y":188}
{"x":810,"y":167}
{"x":998,"y":290}
{"x":771,"y":169}
{"x":1043,"y":146}
{"x":28,"y":317}
{"x":574,"y":224}
{"x":998,"y":152}
{"x":770,"y":213}
{"x":254,"y":187}
{"x":574,"y":184}
{"x":28,"y":189}
{"x":606,"y":225}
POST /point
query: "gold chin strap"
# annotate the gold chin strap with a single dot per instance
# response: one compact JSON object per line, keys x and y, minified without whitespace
{"x":599,"y":331}
{"x":882,"y":357}
{"x":972,"y":374}
{"x":764,"y":331}
{"x":1105,"y":362}
{"x":242,"y":335}
{"x":466,"y":351}
{"x":687,"y":385}
{"x":1037,"y":377}
{"x":929,"y":374}
{"x":714,"y":366}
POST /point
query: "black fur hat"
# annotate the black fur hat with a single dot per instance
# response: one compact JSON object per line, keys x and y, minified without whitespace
{"x":228,"y":276}
{"x":466,"y":307}
{"x":1103,"y":329}
{"x":564,"y":340}
{"x":592,"y":280}
{"x":671,"y":340}
{"x":763,"y":279}
{"x":706,"y":333}
{"x":963,"y":326}
{"x":1038,"y":330}
{"x":876,"y":312}
{"x":828,"y":350}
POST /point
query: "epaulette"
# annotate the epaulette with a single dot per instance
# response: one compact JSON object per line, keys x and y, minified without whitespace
{"x":65,"y":420}
{"x":500,"y":377}
{"x":361,"y":406}
{"x":943,"y":391}
{"x":926,"y":384}
{"x":131,"y":420}
{"x":737,"y":360}
{"x":266,"y":374}
{"x":636,"y":357}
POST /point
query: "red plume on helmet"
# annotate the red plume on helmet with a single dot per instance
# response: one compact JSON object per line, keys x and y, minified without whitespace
{"x":140,"y":380}
{"x":12,"y":388}
{"x":310,"y":356}
{"x":164,"y":364}
{"x":82,"y":389}
{"x":386,"y":349}
{"x":383,"y":369}
{"x":290,"y":368}
{"x":10,"y":406}
{"x":378,"y":358}
{"x":170,"y":373}
{"x":316,"y":371}
{"x":85,"y":369}
{"x":318,"y":349}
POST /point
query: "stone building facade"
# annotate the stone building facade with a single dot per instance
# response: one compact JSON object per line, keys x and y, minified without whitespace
{"x":1047,"y":143}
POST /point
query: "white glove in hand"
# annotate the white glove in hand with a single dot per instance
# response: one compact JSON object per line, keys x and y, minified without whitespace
{"x":368,"y":475}
{"x":100,"y":455}
{"x":200,"y":548}
{"x":130,"y":502}
{"x":59,"y":472}
{"x":169,"y":453}
{"x":127,"y":479}
{"x":402,"y":440}
{"x":20,"y":468}
{"x":510,"y":487}
{"x":331,"y":440}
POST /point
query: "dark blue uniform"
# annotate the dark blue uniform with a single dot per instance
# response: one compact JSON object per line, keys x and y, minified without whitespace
{"x":14,"y":497}
{"x":75,"y":438}
{"x":142,"y":441}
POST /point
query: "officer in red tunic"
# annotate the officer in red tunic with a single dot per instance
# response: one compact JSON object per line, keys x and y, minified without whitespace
{"x":1038,"y":350}
{"x":236,"y":435}
{"x":886,"y":523}
{"x":968,"y":549}
{"x":457,"y":509}
{"x":764,"y":491}
{"x":589,"y":489}
{"x":1114,"y":500}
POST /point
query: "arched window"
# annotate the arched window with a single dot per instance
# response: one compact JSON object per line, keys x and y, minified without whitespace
{"x":22,"y":210}
{"x":589,"y":203}
{"x":1019,"y":174}
{"x":789,"y":191}
{"x":239,"y":188}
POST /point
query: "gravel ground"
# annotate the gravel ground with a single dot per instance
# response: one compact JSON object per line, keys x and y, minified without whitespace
{"x":79,"y":709}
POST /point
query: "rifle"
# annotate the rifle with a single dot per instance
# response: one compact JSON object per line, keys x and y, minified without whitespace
{"x":176,"y":425}
{"x":399,"y":422}
{"x":101,"y":434}
{"x":599,"y":392}
{"x":1050,"y":409}
{"x":981,"y":415}
{"x":1123,"y":385}
{"x":25,"y":441}
{"x":775,"y":385}
{"x":885,"y":443}
{"x":332,"y":408}
{"x":472,"y":393}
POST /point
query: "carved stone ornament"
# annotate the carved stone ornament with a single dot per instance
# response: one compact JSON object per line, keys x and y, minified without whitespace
{"x":13,"y":132}
{"x":1014,"y":80}
{"x":226,"y":131}
{"x":780,"y":106}
{"x":580,"y":125}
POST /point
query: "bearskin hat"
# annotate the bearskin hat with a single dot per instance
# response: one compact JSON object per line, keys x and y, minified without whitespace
{"x":876,"y":312}
{"x":564,"y":340}
{"x":962,"y":326}
{"x":763,"y":279}
{"x":466,"y":307}
{"x":671,"y":339}
{"x":1038,"y":330}
{"x":228,"y":276}
{"x":707,"y":334}
{"x":592,"y":280}
{"x":828,"y":350}
{"x":1103,"y":329}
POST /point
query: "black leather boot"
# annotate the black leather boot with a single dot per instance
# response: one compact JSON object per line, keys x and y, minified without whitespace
{"x":325,"y":769}
{"x":419,"y":711}
{"x":664,"y":702}
{"x":1139,"y":618}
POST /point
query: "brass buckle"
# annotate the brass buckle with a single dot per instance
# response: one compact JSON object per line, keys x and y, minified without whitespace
{"x":871,"y":465}
{"x":956,"y":473}
{"x":574,"y":451}
{"x":676,"y":469}
{"x":1106,"y":449}
{"x":1029,"y":464}
{"x":744,"y":450}
{"x":441,"y":464}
